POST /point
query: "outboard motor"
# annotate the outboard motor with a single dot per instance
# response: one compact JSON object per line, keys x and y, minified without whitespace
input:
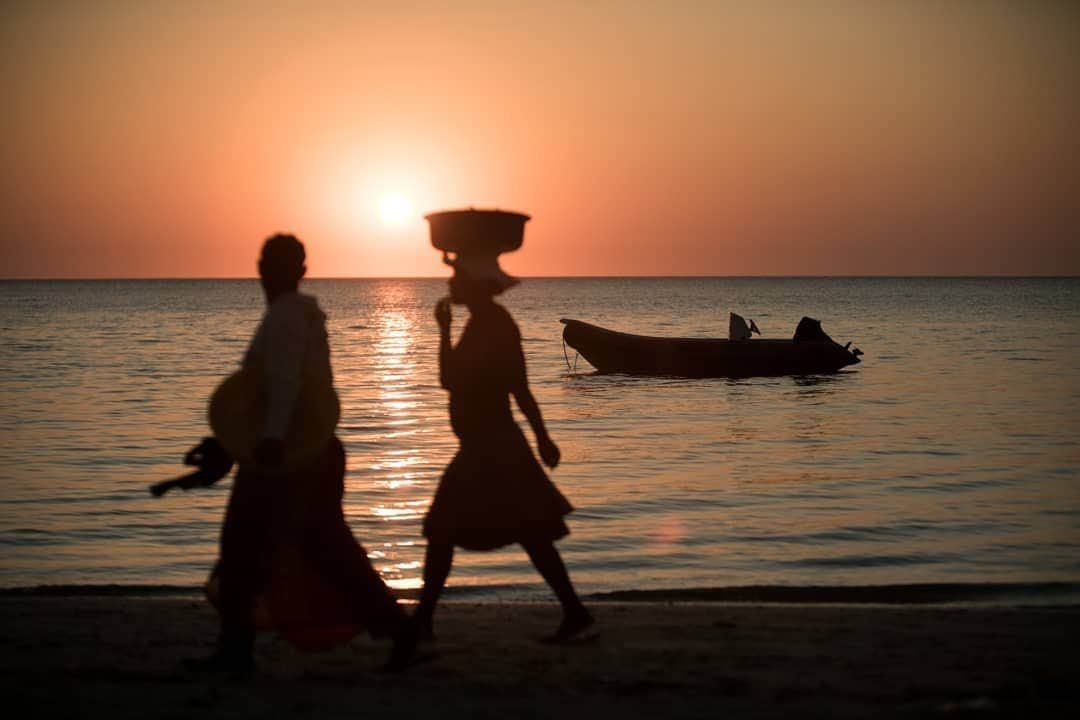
{"x":809,"y":330}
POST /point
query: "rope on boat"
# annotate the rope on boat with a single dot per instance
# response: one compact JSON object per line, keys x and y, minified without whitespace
{"x":567,"y":358}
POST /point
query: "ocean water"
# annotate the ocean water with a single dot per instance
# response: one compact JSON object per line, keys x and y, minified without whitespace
{"x":950,"y":454}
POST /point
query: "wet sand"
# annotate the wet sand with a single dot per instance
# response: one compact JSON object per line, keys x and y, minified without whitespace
{"x":120,"y":657}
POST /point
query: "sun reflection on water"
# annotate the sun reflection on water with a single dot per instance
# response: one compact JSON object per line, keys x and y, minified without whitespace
{"x":397,"y":442}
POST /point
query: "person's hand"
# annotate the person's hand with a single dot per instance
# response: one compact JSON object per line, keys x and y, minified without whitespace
{"x":443,"y":314}
{"x":549,"y":452}
{"x":269,"y":452}
{"x":212,"y":457}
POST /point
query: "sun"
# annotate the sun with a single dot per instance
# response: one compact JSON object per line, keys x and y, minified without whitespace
{"x":394,"y":209}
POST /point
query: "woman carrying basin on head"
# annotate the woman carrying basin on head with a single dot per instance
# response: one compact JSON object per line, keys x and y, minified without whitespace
{"x":494,"y":492}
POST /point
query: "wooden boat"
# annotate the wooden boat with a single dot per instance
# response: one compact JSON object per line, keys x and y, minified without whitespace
{"x":811,"y":351}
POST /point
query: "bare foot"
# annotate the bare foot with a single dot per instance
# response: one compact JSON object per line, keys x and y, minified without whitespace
{"x":571,"y":627}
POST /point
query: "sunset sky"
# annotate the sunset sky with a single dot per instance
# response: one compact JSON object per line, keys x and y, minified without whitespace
{"x":167,"y":139}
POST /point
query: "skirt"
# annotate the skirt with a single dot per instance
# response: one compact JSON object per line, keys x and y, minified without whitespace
{"x":494,"y":493}
{"x":290,"y":563}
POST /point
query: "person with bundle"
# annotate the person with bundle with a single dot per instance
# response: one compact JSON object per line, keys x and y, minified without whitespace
{"x":288,"y":560}
{"x":494,"y":492}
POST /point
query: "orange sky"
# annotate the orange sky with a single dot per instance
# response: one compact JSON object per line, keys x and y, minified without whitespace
{"x":166,"y":139}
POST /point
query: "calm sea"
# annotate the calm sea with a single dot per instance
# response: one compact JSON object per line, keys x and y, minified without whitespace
{"x":950,"y":454}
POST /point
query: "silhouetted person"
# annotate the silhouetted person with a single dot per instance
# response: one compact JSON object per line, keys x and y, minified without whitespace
{"x":494,"y":492}
{"x":288,"y":559}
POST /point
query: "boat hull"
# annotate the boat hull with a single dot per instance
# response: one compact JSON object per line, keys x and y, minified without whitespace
{"x":615,"y":352}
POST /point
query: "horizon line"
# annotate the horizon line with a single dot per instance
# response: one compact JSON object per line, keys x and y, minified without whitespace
{"x":957,"y":276}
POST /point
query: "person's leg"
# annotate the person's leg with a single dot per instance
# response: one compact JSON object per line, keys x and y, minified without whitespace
{"x":547,"y":561}
{"x":244,"y":560}
{"x":437,"y":562}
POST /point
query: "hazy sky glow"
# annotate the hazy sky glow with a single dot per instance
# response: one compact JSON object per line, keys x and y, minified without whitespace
{"x":166,"y":139}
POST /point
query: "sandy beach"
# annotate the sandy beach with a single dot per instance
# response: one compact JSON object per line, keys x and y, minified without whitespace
{"x":120,"y":656}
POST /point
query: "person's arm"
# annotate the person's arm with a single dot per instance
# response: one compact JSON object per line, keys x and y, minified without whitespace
{"x":443,"y":317}
{"x":519,"y":388}
{"x":283,"y":358}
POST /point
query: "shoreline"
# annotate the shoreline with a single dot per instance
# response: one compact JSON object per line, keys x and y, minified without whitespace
{"x":990,"y":593}
{"x":121,"y":657}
